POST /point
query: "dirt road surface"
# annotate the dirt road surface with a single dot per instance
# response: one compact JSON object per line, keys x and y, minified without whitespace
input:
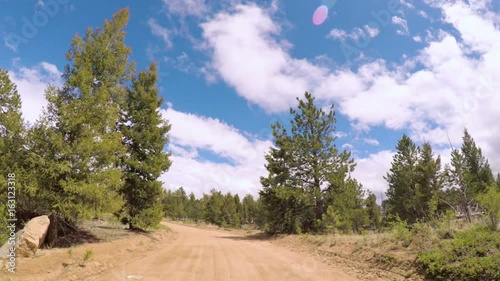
{"x":216,"y":255}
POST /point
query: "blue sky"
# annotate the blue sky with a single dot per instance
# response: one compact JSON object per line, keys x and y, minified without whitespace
{"x":229,"y":68}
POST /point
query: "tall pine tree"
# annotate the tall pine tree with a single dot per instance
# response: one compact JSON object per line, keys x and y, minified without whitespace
{"x":13,"y":155}
{"x":402,"y":181}
{"x":144,"y":137}
{"x":468,"y":176}
{"x":303,"y":164}
{"x":76,"y":143}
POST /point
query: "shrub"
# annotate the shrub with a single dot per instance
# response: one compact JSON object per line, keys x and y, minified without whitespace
{"x":490,"y":201}
{"x":401,"y":231}
{"x":473,"y":254}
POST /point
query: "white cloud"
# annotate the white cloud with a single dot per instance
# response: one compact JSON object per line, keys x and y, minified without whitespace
{"x":160,"y":31}
{"x":356,"y":34}
{"x":371,"y":141}
{"x":423,"y":14}
{"x":184,"y":8}
{"x":417,"y":38}
{"x":340,"y":134}
{"x":31,"y":84}
{"x":402,"y":25}
{"x":407,"y":4}
{"x":371,"y":170}
{"x":197,"y":133}
{"x":348,"y":146}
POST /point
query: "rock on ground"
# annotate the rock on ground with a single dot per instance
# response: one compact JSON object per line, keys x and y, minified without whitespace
{"x":33,"y":236}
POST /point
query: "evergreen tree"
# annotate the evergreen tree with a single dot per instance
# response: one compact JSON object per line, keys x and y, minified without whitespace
{"x":248,"y":209}
{"x":429,"y":181}
{"x":402,"y":181}
{"x":13,"y":155}
{"x":347,"y":201}
{"x":478,"y":172}
{"x":238,"y":206}
{"x":144,"y":136}
{"x":213,"y":207}
{"x":468,"y":176}
{"x":230,"y":217}
{"x":373,"y":212}
{"x":330,"y":220}
{"x":303,"y":164}
{"x":498,"y":181}
{"x":76,"y":143}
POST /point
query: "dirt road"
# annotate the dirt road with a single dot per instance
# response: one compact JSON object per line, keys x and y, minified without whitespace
{"x":216,"y":255}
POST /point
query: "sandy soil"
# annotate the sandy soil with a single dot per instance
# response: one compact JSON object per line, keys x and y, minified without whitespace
{"x":216,"y":255}
{"x":186,"y":253}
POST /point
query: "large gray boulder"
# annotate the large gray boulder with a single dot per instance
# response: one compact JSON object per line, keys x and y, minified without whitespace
{"x":33,"y":236}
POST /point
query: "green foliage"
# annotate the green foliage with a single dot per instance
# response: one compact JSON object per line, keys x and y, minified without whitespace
{"x":415,"y":180}
{"x":347,"y":200}
{"x":174,"y":203}
{"x":230,"y":216}
{"x":306,"y":171}
{"x":75,"y":145}
{"x":249,"y":210}
{"x":13,"y":153}
{"x":444,"y":229}
{"x":4,"y":234}
{"x":401,"y":231}
{"x":490,"y":201}
{"x":330,"y":220}
{"x":144,"y":137}
{"x":87,"y":255}
{"x":468,"y":176}
{"x":473,"y":254}
{"x":373,"y":212}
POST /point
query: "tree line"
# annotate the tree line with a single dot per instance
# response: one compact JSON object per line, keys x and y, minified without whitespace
{"x":223,"y":210}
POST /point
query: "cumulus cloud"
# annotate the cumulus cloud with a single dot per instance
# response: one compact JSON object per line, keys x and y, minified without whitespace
{"x":371,"y":141}
{"x":160,"y":31}
{"x":370,"y":171}
{"x":196,"y":133}
{"x":184,"y":8}
{"x":401,"y":25}
{"x":356,"y":34}
{"x":31,"y":84}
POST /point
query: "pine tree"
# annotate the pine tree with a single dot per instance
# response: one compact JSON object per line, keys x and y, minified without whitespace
{"x":229,"y":214}
{"x":238,"y":206}
{"x":429,"y":181}
{"x":213,"y":207}
{"x":468,"y":176}
{"x":373,"y":211}
{"x":144,"y":136}
{"x":303,"y":162}
{"x":248,"y":209}
{"x":498,"y":181}
{"x":347,"y":201}
{"x":76,"y":144}
{"x":13,"y":155}
{"x":402,"y":181}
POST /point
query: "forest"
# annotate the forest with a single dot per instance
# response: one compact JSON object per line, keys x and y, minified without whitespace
{"x":99,"y":148}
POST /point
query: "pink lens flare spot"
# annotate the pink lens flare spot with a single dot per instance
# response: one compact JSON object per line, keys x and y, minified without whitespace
{"x":320,"y":15}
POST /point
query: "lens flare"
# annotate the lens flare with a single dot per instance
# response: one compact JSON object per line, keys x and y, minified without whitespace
{"x":320,"y":15}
